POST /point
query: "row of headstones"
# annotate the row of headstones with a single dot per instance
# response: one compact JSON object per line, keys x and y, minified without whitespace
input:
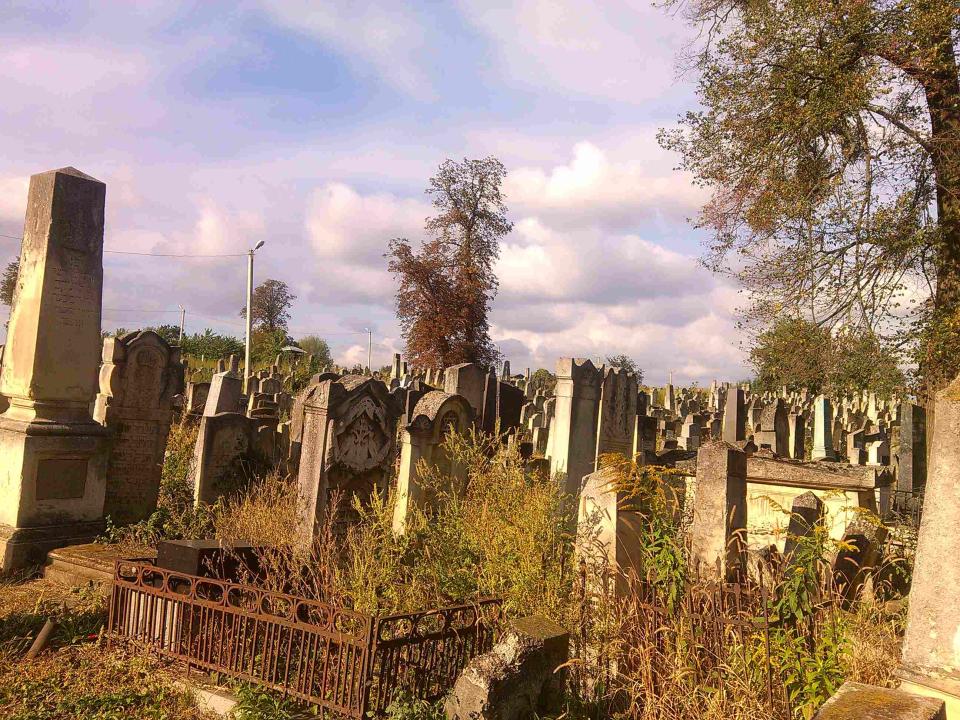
{"x":342,"y":434}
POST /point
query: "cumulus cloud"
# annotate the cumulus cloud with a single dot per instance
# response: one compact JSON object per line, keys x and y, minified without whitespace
{"x":593,"y":190}
{"x":202,"y":153}
{"x":349,"y":233}
{"x":616,"y":51}
{"x":387,"y":36}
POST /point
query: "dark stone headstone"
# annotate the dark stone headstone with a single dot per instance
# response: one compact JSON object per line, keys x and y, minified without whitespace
{"x":209,"y":558}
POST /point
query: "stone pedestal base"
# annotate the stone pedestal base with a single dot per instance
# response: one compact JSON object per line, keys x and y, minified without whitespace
{"x":945,"y":687}
{"x":52,"y":483}
{"x":23,"y":547}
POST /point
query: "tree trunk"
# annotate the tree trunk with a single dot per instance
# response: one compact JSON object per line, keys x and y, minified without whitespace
{"x":943,"y":102}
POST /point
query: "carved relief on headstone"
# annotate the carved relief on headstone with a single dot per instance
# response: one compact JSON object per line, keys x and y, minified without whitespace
{"x":140,"y":375}
{"x":347,"y":435}
{"x":616,"y":421}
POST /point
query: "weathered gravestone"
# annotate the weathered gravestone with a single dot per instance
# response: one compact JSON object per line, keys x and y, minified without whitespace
{"x":470,"y":381}
{"x":347,"y":445}
{"x":734,"y":417}
{"x":436,"y":415}
{"x":616,"y":421}
{"x":573,"y":433}
{"x":140,"y":375}
{"x":196,"y":398}
{"x":52,"y":453}
{"x":931,"y":643}
{"x":223,"y":442}
{"x":226,"y":389}
{"x":718,"y":532}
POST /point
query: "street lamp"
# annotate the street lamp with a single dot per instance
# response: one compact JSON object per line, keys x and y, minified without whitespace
{"x":246,"y":359}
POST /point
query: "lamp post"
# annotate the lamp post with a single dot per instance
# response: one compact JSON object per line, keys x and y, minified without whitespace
{"x":246,"y":358}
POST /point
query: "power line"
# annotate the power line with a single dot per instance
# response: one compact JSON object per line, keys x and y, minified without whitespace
{"x":142,"y":254}
{"x":174,"y":255}
{"x":137,"y":310}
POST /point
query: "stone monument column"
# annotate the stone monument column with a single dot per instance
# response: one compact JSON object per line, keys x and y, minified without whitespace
{"x":931,"y":644}
{"x":573,"y":434}
{"x":52,"y":453}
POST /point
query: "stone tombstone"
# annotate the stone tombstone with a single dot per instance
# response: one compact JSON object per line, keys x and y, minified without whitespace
{"x":775,"y":428}
{"x":436,"y":415}
{"x":608,"y":531}
{"x":573,"y":432}
{"x":52,"y":452}
{"x":856,"y":701}
{"x":617,"y":418}
{"x":864,"y":540}
{"x":510,"y":400}
{"x":347,"y":445}
{"x":912,"y":450}
{"x":522,"y":676}
{"x":822,"y":429}
{"x":222,"y":442}
{"x":487,"y":412}
{"x":734,"y":417}
{"x":931,"y":650}
{"x":796,"y":445}
{"x":140,"y":374}
{"x":226,"y":389}
{"x":197,"y":393}
{"x":470,"y":381}
{"x":805,"y":512}
{"x":718,"y":531}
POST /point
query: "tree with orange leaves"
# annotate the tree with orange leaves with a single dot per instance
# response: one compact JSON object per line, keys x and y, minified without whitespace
{"x":446,"y":289}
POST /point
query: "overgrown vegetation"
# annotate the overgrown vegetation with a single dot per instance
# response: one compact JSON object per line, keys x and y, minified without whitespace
{"x":506,"y":532}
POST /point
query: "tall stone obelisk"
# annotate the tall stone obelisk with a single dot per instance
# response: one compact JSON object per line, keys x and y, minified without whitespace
{"x":52,"y":453}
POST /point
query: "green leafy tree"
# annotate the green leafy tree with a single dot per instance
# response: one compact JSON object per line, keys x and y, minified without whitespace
{"x":830,"y":139}
{"x":798,"y":354}
{"x":8,"y":283}
{"x":265,"y":345}
{"x":210,"y":345}
{"x":446,"y":288}
{"x":170,"y":333}
{"x":627,"y":363}
{"x":318,"y":347}
{"x":271,"y":304}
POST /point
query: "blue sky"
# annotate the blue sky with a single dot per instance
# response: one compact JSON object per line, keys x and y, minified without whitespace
{"x":315,"y":126}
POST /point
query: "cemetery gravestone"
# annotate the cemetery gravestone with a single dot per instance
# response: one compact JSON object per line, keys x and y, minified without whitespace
{"x":140,"y":375}
{"x":52,"y":452}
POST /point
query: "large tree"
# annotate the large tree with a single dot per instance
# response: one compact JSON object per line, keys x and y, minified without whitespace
{"x":8,"y":282}
{"x":800,"y":354}
{"x":830,"y":139}
{"x":446,"y":288}
{"x":272,"y":300}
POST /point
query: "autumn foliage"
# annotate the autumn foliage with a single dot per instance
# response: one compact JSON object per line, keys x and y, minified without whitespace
{"x":446,"y":288}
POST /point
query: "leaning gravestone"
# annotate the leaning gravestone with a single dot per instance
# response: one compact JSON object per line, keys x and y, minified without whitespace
{"x":223,"y":441}
{"x":52,"y":453}
{"x":140,"y":375}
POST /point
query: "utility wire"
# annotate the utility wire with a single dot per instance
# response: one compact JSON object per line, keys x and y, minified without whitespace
{"x":142,"y":254}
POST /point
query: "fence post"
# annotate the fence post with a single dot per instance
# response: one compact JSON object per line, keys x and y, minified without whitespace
{"x":373,"y":630}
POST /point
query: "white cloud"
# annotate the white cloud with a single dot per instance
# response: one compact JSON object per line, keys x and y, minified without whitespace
{"x":592,"y":188}
{"x":385,"y":36}
{"x":619,"y":51}
{"x":13,"y":199}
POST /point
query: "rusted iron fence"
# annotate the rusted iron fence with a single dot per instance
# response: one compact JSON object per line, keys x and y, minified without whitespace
{"x":348,"y":662}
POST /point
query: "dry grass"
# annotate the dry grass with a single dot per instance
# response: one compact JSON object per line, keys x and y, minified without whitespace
{"x":873,"y":636}
{"x":89,"y":682}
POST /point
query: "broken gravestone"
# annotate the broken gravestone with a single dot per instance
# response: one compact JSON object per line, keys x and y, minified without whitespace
{"x":519,"y":678}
